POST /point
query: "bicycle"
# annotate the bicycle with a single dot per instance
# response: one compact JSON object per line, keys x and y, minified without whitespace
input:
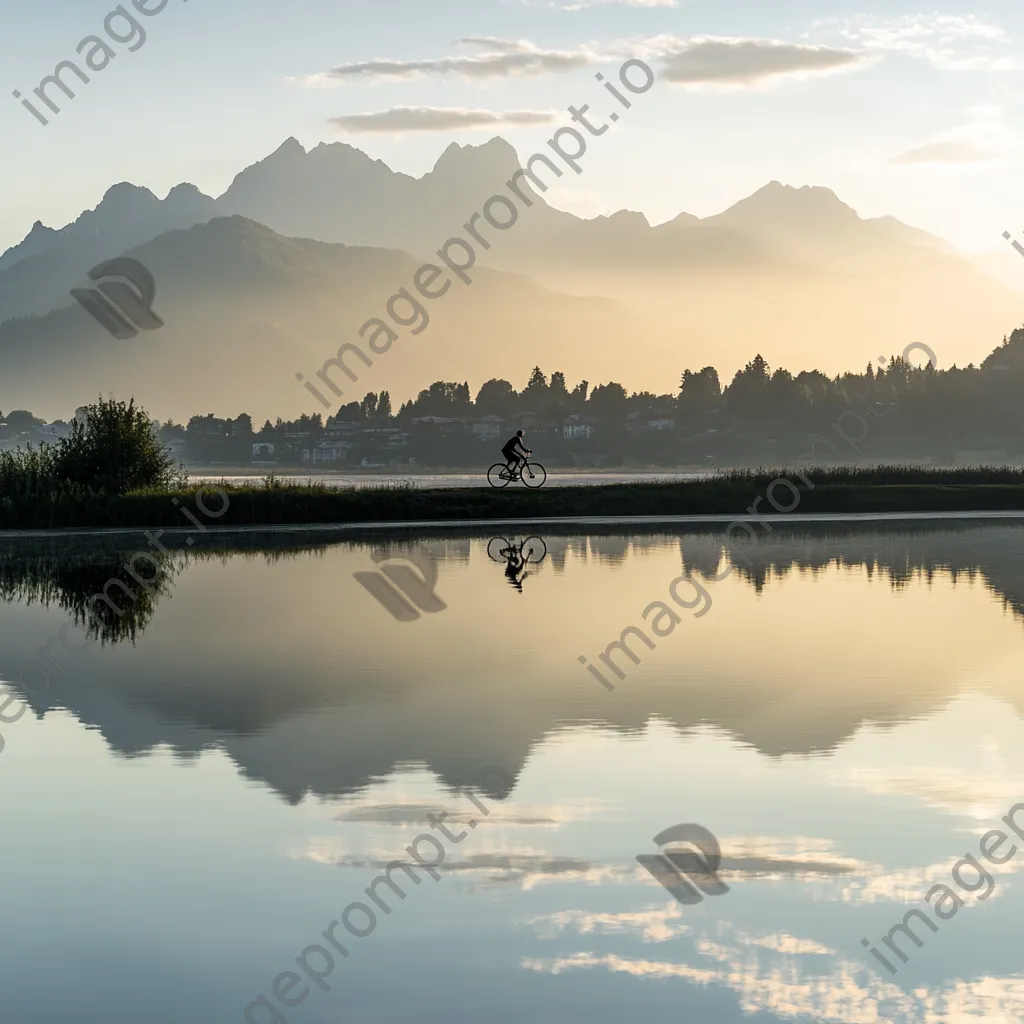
{"x":533,"y":549}
{"x":532,"y":474}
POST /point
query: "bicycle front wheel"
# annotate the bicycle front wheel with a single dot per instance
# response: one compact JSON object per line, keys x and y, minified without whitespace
{"x":534,"y":474}
{"x":534,"y":549}
{"x":497,"y":475}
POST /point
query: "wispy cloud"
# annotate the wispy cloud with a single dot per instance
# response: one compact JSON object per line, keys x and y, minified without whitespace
{"x":722,"y":62}
{"x":502,"y":58}
{"x":955,"y":42}
{"x":438,"y":119}
{"x":952,"y":151}
{"x":743,"y":63}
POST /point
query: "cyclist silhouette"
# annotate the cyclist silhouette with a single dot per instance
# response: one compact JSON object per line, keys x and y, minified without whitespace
{"x":515,"y":453}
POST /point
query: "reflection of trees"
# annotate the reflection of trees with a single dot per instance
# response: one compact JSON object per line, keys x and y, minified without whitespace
{"x":70,"y":574}
{"x":71,"y":581}
{"x":336,"y":719}
{"x":899,"y":553}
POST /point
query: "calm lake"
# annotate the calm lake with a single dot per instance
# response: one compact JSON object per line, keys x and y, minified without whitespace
{"x":196,"y":805}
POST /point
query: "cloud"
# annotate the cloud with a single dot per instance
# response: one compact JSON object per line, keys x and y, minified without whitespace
{"x":438,"y":119}
{"x":953,"y":42}
{"x":983,"y":139}
{"x":747,"y":62}
{"x":951,"y":151}
{"x":702,"y":60}
{"x":505,"y":58}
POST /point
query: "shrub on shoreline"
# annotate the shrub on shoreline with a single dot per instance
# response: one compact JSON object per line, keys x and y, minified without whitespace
{"x":112,"y":451}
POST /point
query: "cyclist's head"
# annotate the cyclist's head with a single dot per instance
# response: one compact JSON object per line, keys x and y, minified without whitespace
{"x":519,"y":433}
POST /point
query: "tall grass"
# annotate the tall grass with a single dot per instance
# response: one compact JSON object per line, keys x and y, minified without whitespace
{"x":36,"y":503}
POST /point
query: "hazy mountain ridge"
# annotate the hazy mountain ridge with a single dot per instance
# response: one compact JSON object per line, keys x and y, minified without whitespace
{"x":336,"y":193}
{"x":246,"y":309}
{"x":793,"y":273}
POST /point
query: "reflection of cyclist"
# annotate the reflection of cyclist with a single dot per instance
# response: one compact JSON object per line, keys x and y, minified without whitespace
{"x":515,"y":571}
{"x":515,"y":453}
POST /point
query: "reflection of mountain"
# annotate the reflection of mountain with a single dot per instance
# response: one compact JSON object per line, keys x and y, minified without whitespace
{"x":311,"y":689}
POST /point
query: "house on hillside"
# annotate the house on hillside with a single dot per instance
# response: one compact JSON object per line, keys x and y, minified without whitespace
{"x":652,"y":419}
{"x":447,"y":424}
{"x":488,"y":427}
{"x":325,"y":452}
{"x":577,"y":427}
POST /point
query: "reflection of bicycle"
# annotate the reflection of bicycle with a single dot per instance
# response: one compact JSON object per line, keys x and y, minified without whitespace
{"x":533,"y":549}
{"x":533,"y":474}
{"x":516,"y":557}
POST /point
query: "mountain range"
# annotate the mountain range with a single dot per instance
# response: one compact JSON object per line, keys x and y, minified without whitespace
{"x":269,"y":278}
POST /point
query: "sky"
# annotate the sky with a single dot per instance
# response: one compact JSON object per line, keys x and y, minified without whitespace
{"x":913,"y":111}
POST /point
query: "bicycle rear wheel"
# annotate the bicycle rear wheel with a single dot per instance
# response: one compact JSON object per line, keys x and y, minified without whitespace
{"x":495,"y":475}
{"x":534,"y":474}
{"x":495,"y":546}
{"x":535,"y":549}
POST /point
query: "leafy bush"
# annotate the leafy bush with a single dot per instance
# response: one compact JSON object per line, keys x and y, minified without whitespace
{"x":113,"y":452}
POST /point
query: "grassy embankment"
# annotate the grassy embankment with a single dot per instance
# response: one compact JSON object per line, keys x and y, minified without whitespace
{"x":883,"y":489}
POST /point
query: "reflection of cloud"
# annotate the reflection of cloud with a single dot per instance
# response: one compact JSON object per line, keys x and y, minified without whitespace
{"x":848,"y":993}
{"x":661,"y":924}
{"x":772,"y":974}
{"x":780,"y":942}
{"x":758,"y":856}
{"x":416,"y":814}
{"x":909,"y":885}
{"x":580,"y":5}
{"x":524,"y":868}
{"x":653,"y":925}
{"x":981,"y":798}
{"x":530,"y":869}
{"x":438,"y":119}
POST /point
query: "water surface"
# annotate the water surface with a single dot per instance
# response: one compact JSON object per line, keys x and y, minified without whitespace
{"x":226,"y":766}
